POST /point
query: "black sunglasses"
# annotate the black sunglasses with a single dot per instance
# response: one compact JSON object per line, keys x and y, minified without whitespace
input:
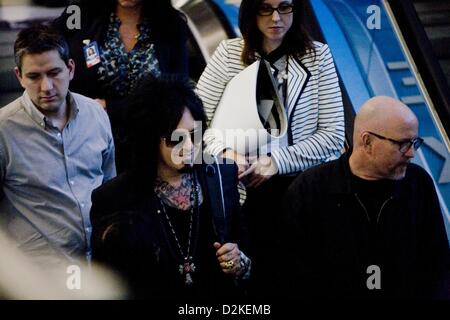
{"x":404,"y":145}
{"x":177,"y":137}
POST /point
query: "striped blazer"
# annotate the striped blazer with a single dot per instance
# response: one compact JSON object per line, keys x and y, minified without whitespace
{"x":314,"y":105}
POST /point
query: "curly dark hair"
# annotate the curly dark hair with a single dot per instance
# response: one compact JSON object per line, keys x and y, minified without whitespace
{"x":154,"y":110}
{"x":297,"y":41}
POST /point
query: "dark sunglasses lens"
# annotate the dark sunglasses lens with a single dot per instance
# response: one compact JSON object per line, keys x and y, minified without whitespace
{"x":173,"y":140}
{"x":178,"y":138}
{"x":416,"y":143}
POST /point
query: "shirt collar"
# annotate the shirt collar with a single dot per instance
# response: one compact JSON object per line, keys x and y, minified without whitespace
{"x":73,"y":106}
{"x":38,"y":117}
{"x":32,"y":111}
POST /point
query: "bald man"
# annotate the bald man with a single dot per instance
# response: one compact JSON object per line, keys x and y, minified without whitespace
{"x":369,"y":224}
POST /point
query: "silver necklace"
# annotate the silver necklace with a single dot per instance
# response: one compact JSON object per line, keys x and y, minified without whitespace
{"x":282,"y":75}
{"x":187,"y":265}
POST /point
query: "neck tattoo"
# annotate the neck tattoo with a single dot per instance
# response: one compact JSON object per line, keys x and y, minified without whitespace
{"x":178,"y":197}
{"x":186,"y":266}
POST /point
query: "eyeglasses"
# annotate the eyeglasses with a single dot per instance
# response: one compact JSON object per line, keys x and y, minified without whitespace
{"x":178,"y":137}
{"x":283,"y":8}
{"x":403,"y":146}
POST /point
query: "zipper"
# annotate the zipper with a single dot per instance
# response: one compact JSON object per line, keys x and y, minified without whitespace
{"x":379,"y":212}
{"x":382,"y":207}
{"x":372,"y":249}
{"x":363,"y":206}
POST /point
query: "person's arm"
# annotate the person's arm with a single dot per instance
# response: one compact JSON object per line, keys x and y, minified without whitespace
{"x":328,"y":140}
{"x":110,"y":232}
{"x":109,"y":165}
{"x":236,"y":247}
{"x":296,"y":275}
{"x":210,"y":88}
{"x":260,"y":171}
{"x":232,"y":260}
{"x":434,"y":245}
{"x":108,"y":155}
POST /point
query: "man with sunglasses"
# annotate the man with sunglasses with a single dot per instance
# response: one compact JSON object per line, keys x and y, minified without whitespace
{"x":369,"y":224}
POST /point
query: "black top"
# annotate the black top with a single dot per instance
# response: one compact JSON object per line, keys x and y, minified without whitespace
{"x":373,"y":194}
{"x":329,"y":240}
{"x":171,"y":53}
{"x":131,"y":234}
{"x":208,"y":279}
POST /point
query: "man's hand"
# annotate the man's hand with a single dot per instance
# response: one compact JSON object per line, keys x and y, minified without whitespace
{"x":229,"y":257}
{"x":260,"y":171}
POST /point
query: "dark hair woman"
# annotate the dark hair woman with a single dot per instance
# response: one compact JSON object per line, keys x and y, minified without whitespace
{"x":307,"y":83}
{"x":172,"y":224}
{"x":132,"y":39}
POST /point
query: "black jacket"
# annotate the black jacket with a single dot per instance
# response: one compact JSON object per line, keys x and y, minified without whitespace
{"x":329,"y":240}
{"x":171,"y":53}
{"x":137,"y":247}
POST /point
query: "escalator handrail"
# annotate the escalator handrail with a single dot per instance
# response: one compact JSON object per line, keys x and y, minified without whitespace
{"x":426,"y":62}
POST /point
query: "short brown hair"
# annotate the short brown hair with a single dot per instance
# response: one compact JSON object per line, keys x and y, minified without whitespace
{"x":38,"y":39}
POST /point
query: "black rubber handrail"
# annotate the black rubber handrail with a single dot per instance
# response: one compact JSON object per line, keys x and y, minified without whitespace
{"x":426,"y":61}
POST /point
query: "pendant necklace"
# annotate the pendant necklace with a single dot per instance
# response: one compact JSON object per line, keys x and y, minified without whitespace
{"x":282,"y":77}
{"x":186,"y":266}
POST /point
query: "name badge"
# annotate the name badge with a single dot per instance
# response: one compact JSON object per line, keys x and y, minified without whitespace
{"x":91,"y":54}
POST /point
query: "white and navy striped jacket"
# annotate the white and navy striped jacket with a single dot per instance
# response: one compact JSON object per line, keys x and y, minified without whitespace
{"x":315,"y":109}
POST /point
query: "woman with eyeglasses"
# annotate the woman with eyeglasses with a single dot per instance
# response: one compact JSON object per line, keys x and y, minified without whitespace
{"x":309,"y":87}
{"x":118,"y":43}
{"x":171,"y":225}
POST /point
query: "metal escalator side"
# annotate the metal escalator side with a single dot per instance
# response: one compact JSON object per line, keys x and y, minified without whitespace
{"x":433,"y":82}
